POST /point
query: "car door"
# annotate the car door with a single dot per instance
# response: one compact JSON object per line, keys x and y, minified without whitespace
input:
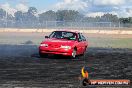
{"x":79,"y":44}
{"x":84,"y":42}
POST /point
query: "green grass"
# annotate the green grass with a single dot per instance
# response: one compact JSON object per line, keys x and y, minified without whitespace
{"x":111,"y":42}
{"x":105,"y":42}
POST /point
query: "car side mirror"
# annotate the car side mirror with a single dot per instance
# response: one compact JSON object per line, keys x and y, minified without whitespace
{"x":46,"y":36}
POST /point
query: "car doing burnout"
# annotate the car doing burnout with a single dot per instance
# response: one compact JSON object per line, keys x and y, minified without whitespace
{"x":64,"y":43}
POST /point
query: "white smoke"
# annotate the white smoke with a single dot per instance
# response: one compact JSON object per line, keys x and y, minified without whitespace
{"x":22,"y":7}
{"x":94,"y":14}
{"x":11,"y":10}
{"x":122,"y":8}
{"x":108,"y":2}
{"x":71,"y":5}
{"x":8,"y":8}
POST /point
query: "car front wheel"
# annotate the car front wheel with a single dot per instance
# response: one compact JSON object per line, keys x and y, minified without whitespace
{"x":40,"y":54}
{"x":74,"y":53}
{"x":43,"y":54}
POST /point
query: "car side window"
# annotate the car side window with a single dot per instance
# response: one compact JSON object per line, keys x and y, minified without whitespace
{"x":83,"y":38}
{"x":79,"y":37}
{"x":52,"y":35}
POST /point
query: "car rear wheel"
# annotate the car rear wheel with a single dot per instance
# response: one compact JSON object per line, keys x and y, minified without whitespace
{"x":84,"y":51}
{"x":74,"y":53}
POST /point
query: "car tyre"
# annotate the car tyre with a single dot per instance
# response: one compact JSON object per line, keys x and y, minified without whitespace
{"x":43,"y":54}
{"x":74,"y":53}
{"x":84,"y":52}
{"x":40,"y":54}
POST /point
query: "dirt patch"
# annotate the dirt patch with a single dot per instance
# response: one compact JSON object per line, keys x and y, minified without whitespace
{"x":27,"y":69}
{"x":21,"y":66}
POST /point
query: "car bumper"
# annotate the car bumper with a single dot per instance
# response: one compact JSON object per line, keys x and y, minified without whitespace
{"x":59,"y":51}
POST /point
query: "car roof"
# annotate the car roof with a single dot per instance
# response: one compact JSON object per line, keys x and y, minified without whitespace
{"x":74,"y":31}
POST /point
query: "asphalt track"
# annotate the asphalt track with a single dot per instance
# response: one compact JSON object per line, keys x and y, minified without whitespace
{"x":22,"y":67}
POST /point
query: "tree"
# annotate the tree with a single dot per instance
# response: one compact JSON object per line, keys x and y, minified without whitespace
{"x":68,"y":15}
{"x":109,"y":18}
{"x":124,"y":20}
{"x":31,"y":19}
{"x":18,"y":16}
{"x":130,"y":19}
{"x":2,"y":13}
{"x":30,"y":15}
{"x":47,"y":16}
{"x":27,"y":19}
{"x":32,"y":10}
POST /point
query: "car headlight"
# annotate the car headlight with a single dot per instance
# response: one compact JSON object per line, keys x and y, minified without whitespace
{"x":46,"y":45}
{"x":65,"y":47}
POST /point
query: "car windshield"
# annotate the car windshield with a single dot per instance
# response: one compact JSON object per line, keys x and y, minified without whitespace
{"x":63,"y":35}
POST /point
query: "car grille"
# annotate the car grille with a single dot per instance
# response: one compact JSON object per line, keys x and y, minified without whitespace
{"x":54,"y":45}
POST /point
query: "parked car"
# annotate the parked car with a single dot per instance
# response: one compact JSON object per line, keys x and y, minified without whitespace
{"x":65,"y":43}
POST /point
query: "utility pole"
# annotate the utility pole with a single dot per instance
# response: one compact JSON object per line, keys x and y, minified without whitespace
{"x":6,"y":19}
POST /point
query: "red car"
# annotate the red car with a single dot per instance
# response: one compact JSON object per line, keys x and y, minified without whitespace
{"x":65,"y":43}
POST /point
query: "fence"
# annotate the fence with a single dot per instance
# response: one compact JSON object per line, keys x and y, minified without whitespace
{"x":62,"y":24}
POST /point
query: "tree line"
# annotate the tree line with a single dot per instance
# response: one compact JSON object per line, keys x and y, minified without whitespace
{"x":31,"y":18}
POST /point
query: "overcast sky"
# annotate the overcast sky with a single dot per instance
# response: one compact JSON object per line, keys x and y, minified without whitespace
{"x":121,"y":8}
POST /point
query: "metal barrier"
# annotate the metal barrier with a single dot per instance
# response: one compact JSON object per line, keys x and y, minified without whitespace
{"x":62,"y":24}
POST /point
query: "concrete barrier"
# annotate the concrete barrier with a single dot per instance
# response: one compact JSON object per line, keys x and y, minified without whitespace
{"x":97,"y":31}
